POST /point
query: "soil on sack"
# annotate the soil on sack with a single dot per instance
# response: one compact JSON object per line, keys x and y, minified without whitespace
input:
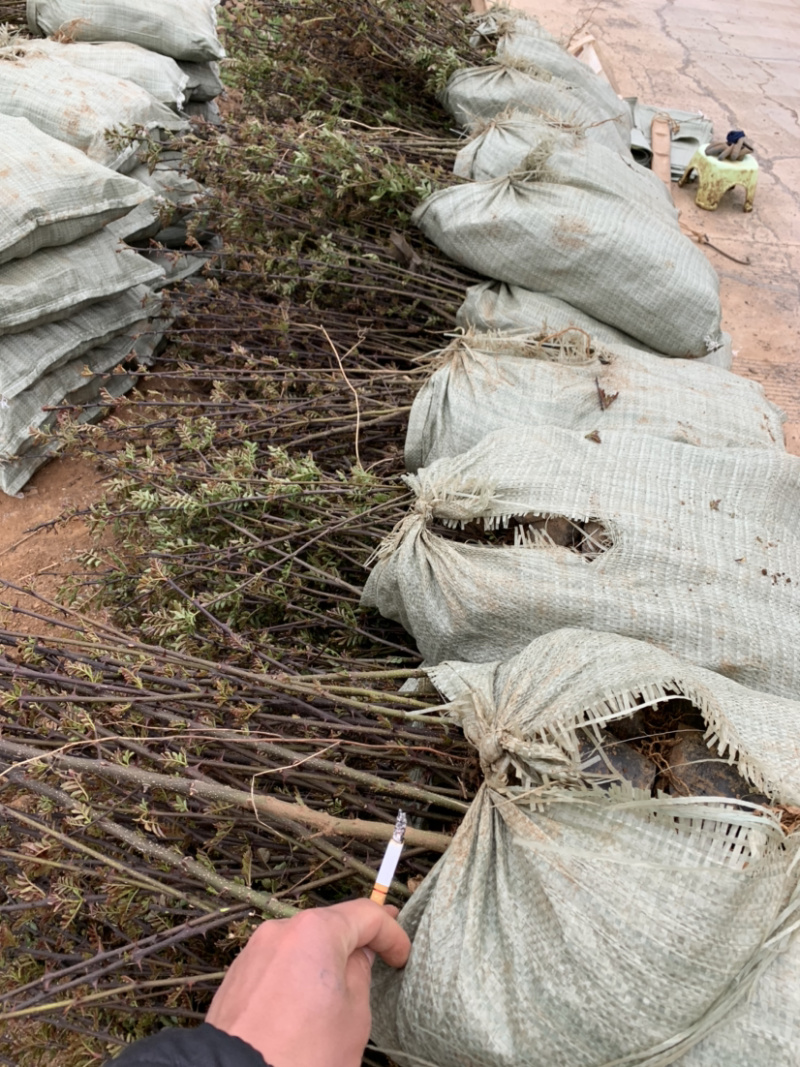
{"x":663,"y":748}
{"x":588,"y":538}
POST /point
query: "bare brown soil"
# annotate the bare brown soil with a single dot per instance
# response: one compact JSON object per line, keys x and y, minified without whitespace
{"x":35,"y":553}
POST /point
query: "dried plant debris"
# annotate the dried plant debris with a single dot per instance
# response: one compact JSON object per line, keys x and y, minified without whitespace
{"x":375,"y":60}
{"x":588,"y":538}
{"x":13,"y":12}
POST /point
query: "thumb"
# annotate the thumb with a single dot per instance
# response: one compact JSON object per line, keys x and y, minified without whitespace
{"x":358,"y":972}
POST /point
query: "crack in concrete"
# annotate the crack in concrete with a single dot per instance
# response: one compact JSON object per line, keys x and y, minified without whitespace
{"x":704,"y":90}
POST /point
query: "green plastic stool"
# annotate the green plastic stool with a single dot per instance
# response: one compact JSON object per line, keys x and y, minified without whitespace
{"x":717,"y":176}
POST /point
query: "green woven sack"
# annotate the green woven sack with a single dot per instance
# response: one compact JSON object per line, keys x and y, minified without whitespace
{"x":482,"y":383}
{"x":172,"y":27}
{"x":695,"y":550}
{"x":578,"y":922}
{"x":52,"y":193}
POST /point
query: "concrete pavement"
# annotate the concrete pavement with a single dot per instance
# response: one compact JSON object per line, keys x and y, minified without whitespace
{"x":737,"y":62}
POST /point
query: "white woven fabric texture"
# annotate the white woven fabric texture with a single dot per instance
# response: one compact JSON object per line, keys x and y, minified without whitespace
{"x":705,"y":556}
{"x":173,"y":27}
{"x":483,"y":383}
{"x":78,"y":383}
{"x":159,"y":75}
{"x":78,"y":106}
{"x":499,"y":145}
{"x":55,"y":283}
{"x":494,"y":307}
{"x":26,"y":415}
{"x":484,"y":92}
{"x":24,"y":357}
{"x":614,"y":258}
{"x":572,"y":925}
{"x":170,"y":183}
{"x":582,"y":164}
{"x":52,"y":193}
{"x":515,"y":44}
{"x":163,"y":187}
{"x":496,"y":23}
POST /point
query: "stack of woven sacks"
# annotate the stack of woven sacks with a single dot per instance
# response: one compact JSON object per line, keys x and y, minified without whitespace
{"x":79,"y":273}
{"x":601,"y":569}
{"x":569,"y":228}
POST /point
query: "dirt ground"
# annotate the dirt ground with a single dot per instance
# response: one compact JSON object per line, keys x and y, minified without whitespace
{"x":734,"y":61}
{"x":43,"y":558}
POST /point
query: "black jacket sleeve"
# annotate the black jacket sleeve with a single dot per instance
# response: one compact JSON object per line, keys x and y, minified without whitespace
{"x":203,"y":1046}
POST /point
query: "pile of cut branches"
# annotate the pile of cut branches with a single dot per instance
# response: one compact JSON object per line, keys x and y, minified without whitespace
{"x":212,"y":730}
{"x":255,"y":477}
{"x":156,"y":806}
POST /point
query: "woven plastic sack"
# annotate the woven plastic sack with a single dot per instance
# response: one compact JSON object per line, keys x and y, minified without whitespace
{"x":57,"y":282}
{"x":164,"y":187}
{"x":25,"y":357}
{"x":561,"y":159}
{"x":614,"y":258}
{"x":171,"y":184}
{"x":501,"y":144}
{"x":178,"y":266}
{"x":695,"y":550}
{"x":483,"y":383}
{"x":177,"y":28}
{"x":203,"y":81}
{"x":515,"y":45}
{"x":53,"y":194}
{"x":207,"y":110}
{"x":78,"y":384}
{"x":159,"y":75}
{"x":483,"y":92}
{"x":25,"y":415}
{"x":79,"y":106}
{"x":494,"y":307}
{"x":586,"y":926}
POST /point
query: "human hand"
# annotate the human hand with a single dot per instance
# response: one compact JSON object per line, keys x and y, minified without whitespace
{"x":299,"y":990}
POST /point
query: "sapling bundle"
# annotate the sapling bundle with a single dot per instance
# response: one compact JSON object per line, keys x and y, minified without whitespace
{"x":300,"y":341}
{"x":574,"y":884}
{"x":370,"y":60}
{"x":150,"y":798}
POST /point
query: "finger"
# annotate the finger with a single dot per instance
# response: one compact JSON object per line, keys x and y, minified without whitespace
{"x":364,"y":924}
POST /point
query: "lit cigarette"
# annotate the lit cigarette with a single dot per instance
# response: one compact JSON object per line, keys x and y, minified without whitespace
{"x":391,"y":858}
